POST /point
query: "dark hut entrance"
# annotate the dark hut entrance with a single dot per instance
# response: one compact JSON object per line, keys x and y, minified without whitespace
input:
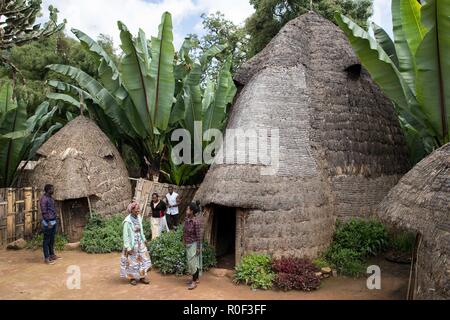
{"x":223,"y":236}
{"x":75,"y":213}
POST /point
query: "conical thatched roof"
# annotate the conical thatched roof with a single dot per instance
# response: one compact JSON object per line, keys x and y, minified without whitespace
{"x":341,"y":147}
{"x":420,"y":202}
{"x":80,"y":161}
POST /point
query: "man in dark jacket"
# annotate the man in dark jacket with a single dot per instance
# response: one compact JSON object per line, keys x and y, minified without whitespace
{"x":48,"y":223}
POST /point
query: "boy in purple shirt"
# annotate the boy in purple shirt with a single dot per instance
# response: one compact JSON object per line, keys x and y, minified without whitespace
{"x":48,"y":223}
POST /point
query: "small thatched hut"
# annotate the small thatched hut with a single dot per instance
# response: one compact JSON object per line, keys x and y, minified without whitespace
{"x":340,"y":146}
{"x":87,"y":171}
{"x":420,"y":203}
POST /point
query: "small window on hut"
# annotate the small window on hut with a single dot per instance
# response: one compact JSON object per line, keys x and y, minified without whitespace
{"x":109,"y":157}
{"x":354,"y":71}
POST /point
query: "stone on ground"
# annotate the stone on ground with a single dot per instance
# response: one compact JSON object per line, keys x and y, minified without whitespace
{"x":219,"y":272}
{"x":326,"y":270}
{"x":17,"y":245}
{"x":72,"y":246}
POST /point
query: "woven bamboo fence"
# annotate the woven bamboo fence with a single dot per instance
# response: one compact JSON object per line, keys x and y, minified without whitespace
{"x":145,"y":189}
{"x":19,"y":213}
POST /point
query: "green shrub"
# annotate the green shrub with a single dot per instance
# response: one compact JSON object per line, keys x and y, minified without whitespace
{"x":345,"y":260}
{"x":104,"y":234}
{"x":255,"y":270}
{"x":402,"y":242}
{"x":367,"y":237}
{"x":36,"y":242}
{"x":168,"y":253}
{"x":321,"y":262}
{"x":353,"y":242}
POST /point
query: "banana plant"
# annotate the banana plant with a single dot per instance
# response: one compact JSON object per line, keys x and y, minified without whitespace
{"x":152,"y":91}
{"x":20,"y":135}
{"x":182,"y":174}
{"x":413,"y":69}
{"x":137,"y":95}
{"x":206,"y":106}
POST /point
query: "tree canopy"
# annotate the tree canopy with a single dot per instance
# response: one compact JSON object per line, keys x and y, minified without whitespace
{"x":221,"y":31}
{"x":18,"y":25}
{"x":32,"y":58}
{"x":271,"y":15}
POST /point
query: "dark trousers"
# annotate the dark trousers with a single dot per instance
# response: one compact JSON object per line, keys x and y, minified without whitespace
{"x":49,"y":241}
{"x":195,"y":275}
{"x":173,"y":220}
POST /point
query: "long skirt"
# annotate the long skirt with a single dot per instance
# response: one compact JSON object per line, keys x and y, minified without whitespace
{"x":163,"y":226}
{"x":156,"y":229}
{"x":136,"y":265}
{"x":158,"y":226}
{"x":194,"y":262}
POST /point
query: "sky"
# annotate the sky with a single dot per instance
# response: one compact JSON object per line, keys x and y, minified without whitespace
{"x":100,"y":16}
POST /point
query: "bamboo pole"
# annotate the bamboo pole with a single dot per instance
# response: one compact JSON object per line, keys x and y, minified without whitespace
{"x":28,"y":208}
{"x":35,"y":208}
{"x":61,"y":218}
{"x":90,"y":208}
{"x":11,"y":217}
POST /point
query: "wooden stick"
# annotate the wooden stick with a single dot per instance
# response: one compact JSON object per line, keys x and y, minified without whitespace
{"x":61,"y":218}
{"x":90,"y":208}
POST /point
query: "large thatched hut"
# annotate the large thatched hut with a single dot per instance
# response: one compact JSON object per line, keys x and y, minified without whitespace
{"x":420,"y":203}
{"x":340,"y":146}
{"x":87,"y":171}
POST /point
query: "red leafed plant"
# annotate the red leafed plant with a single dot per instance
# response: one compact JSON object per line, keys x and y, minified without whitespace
{"x":295,"y":273}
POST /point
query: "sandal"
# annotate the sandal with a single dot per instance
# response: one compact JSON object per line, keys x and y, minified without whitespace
{"x":188,"y":282}
{"x":192,"y":286}
{"x":133,"y":282}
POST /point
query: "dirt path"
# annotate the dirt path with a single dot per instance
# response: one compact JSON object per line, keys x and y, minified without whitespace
{"x":25,"y":276}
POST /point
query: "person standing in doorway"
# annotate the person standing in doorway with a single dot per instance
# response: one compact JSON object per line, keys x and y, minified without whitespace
{"x":158,"y":208}
{"x":192,"y":239}
{"x":48,"y":224}
{"x":173,"y":201}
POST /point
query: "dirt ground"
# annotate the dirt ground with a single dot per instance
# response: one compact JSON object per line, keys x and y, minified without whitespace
{"x":25,"y":276}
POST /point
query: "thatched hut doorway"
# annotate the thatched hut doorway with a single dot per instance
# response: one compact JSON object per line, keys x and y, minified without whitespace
{"x":75,"y":213}
{"x":222,"y":235}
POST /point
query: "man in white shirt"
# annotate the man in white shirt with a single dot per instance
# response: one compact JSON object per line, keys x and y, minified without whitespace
{"x":173,"y":201}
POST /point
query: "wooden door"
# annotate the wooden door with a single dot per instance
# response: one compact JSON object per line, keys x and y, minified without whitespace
{"x":76,"y":212}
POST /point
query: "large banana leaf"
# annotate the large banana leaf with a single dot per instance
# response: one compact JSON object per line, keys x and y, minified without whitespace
{"x":40,"y":139}
{"x":136,"y":80}
{"x":107,"y":69}
{"x":433,"y":67}
{"x":208,"y":94}
{"x":183,"y":65}
{"x":110,"y":105}
{"x":385,"y":42}
{"x":180,"y":174}
{"x":13,"y":134}
{"x":193,"y":101}
{"x":63,"y":97}
{"x":215,"y":114}
{"x":6,"y":97}
{"x":179,"y":109}
{"x":405,"y":57}
{"x":162,"y":80}
{"x":382,"y":69}
{"x":69,"y":88}
{"x":210,"y":53}
{"x":412,"y":27}
{"x":184,"y":52}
